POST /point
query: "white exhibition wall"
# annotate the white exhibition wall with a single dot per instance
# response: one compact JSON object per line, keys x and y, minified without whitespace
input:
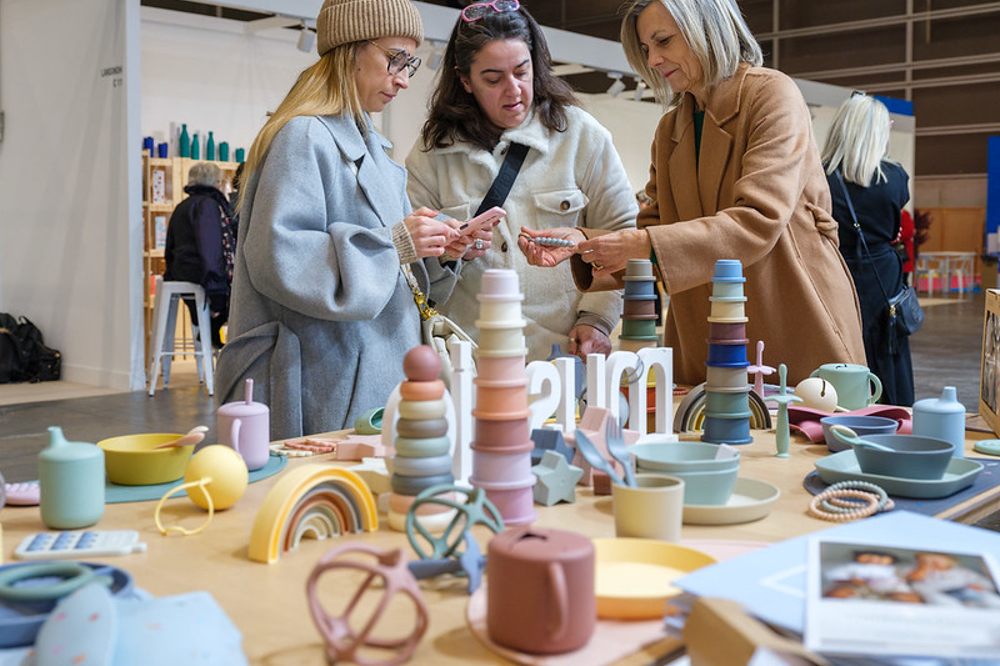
{"x":69,"y":256}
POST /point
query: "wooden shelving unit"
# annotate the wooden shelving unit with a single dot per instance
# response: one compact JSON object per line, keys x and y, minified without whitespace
{"x":163,"y":181}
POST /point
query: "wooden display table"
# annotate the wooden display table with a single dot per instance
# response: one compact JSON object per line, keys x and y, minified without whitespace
{"x":268,"y":602}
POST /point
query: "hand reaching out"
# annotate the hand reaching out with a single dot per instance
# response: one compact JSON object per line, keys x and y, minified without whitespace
{"x":545,"y":256}
{"x":430,"y":236}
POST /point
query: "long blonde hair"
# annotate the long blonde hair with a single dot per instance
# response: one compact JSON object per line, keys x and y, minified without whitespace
{"x":326,"y":88}
{"x":858,"y":140}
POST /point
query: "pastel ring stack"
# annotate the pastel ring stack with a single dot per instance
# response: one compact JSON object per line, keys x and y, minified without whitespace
{"x":727,"y":406}
{"x":501,"y":448}
{"x":639,"y":316}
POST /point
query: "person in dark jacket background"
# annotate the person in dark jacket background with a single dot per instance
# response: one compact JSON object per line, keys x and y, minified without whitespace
{"x":856,"y":154}
{"x":201,"y":238}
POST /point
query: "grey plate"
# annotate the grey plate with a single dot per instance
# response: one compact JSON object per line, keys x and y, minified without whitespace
{"x":844,"y":466}
{"x":751,"y":500}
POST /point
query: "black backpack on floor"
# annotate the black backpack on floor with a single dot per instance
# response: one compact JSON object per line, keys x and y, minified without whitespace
{"x":23,"y":354}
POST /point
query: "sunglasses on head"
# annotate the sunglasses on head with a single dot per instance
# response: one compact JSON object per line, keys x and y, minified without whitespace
{"x":478,"y":10}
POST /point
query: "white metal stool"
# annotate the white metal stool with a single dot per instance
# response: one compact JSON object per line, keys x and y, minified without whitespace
{"x":168,"y":296}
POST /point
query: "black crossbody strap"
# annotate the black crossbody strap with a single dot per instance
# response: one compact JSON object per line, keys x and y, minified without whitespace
{"x":861,"y":235}
{"x":505,"y":179}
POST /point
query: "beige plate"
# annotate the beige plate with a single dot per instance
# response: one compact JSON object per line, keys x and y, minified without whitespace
{"x":751,"y":500}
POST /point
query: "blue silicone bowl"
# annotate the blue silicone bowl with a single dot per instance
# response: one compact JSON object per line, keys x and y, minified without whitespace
{"x":912,"y":457}
{"x":727,"y":356}
{"x":727,"y":430}
{"x":670,"y":457}
{"x":862,"y":425}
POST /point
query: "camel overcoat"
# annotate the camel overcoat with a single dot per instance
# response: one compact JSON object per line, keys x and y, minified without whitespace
{"x":757,"y":193}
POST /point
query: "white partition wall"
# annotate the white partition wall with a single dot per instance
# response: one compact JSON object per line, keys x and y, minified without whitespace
{"x":70,"y":249}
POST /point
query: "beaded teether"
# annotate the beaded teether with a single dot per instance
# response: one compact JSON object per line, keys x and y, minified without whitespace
{"x":850,"y":500}
{"x":549,"y":241}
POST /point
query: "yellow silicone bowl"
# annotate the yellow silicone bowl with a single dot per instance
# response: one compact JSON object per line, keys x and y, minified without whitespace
{"x":131,"y":460}
{"x":634,"y":577}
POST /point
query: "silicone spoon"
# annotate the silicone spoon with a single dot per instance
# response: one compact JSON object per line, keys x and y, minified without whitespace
{"x":193,"y":436}
{"x":848,"y":436}
{"x":616,"y":447}
{"x":594,"y":457}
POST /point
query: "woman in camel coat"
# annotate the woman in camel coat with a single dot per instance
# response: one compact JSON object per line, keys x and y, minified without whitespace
{"x":735,"y":174}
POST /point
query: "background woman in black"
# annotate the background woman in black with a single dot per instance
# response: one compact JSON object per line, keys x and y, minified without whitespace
{"x":856,"y":151}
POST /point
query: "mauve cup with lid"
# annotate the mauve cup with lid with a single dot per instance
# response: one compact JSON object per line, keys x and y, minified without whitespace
{"x":502,"y":434}
{"x":499,"y":282}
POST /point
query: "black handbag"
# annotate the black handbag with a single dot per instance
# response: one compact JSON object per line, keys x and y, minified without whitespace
{"x":905,"y":316}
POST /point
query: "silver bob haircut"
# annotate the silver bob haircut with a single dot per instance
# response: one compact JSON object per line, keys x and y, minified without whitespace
{"x":205,"y":173}
{"x":713,"y":29}
{"x":858,"y":140}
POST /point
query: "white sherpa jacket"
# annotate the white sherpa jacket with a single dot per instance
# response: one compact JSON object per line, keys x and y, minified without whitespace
{"x":570,"y":178}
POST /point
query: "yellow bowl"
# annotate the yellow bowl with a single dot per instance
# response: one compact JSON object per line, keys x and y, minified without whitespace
{"x":130,"y":460}
{"x":635,"y":576}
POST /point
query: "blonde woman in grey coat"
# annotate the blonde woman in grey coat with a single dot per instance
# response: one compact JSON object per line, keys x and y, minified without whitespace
{"x":321,"y":315}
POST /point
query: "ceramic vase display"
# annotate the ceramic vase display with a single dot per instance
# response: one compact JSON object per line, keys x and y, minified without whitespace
{"x":727,"y":411}
{"x":184,"y":142}
{"x":71,"y":482}
{"x":245,"y":426}
{"x":942,"y":418}
{"x":639,"y":315}
{"x":195,"y":147}
{"x":241,"y":155}
{"x":541,"y":596}
{"x":149,"y":143}
{"x":501,"y":449}
{"x":423,"y":449}
{"x":224,"y":152}
{"x":210,"y":147}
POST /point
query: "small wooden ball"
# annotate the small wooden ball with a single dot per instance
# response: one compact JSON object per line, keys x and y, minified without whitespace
{"x":817,"y":393}
{"x":421,"y":364}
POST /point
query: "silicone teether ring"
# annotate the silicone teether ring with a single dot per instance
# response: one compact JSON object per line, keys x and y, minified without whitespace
{"x":177,"y":529}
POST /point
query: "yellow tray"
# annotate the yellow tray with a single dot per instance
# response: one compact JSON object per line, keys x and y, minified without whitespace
{"x":635,"y":576}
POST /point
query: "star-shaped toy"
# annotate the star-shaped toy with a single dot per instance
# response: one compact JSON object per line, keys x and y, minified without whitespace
{"x":556,"y":479}
{"x":547,"y":439}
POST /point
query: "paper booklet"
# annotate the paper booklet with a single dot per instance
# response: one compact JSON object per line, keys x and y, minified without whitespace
{"x":771,"y":583}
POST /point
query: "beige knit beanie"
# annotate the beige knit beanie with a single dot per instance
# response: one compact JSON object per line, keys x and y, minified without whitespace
{"x":345,"y":21}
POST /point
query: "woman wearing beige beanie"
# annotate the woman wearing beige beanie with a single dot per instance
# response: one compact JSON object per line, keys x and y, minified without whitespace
{"x":320,"y":313}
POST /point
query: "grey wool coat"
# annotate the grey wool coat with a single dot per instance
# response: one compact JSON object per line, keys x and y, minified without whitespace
{"x":320,"y":315}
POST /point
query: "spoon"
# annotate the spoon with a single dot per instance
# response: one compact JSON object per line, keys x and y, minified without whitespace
{"x":594,"y":457}
{"x":616,"y":447}
{"x":848,"y":436}
{"x":194,"y":436}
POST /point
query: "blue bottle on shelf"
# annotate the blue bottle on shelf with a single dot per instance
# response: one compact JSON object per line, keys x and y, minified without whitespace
{"x":210,"y":147}
{"x":241,"y":155}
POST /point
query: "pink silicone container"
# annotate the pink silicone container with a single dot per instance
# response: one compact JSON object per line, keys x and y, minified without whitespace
{"x":492,"y":434}
{"x":492,"y":467}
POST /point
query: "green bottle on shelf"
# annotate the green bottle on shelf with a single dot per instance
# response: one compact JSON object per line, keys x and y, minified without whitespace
{"x":224,"y":151}
{"x":195,"y":147}
{"x":210,"y":147}
{"x":184,"y":143}
{"x":241,"y":155}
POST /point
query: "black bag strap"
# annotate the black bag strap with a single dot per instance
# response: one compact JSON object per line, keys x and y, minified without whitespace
{"x":504,"y":181}
{"x":861,"y":236}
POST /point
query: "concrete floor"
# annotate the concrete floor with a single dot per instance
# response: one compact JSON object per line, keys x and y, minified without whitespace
{"x":945,"y":352}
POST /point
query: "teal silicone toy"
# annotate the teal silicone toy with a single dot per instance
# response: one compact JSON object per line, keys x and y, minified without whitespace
{"x":369,"y":423}
{"x":782,"y":437}
{"x":476,"y":510}
{"x":71,"y":481}
{"x":990,"y":447}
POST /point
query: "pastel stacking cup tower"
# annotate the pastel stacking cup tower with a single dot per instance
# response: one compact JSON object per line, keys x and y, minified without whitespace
{"x":639,"y":314}
{"x":727,"y":407}
{"x":501,"y":449}
{"x":423,"y":450}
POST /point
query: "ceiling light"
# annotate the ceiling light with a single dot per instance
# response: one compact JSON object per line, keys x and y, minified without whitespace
{"x":617,"y":86}
{"x":307,"y":39}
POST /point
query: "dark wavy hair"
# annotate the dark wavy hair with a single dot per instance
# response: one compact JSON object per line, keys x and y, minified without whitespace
{"x":455,"y":115}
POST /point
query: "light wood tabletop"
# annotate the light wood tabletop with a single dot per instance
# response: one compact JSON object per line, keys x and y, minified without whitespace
{"x":268,"y":602}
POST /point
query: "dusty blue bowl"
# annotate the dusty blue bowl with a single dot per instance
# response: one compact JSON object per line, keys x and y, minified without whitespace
{"x":716,"y":402}
{"x":912,"y":457}
{"x":640,"y":288}
{"x":673,"y":457}
{"x":862,"y":425}
{"x":727,"y":430}
{"x":713,"y":487}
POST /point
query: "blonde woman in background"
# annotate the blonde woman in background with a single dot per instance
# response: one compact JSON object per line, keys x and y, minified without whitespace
{"x":855,"y":158}
{"x":321,"y":315}
{"x":735,"y":174}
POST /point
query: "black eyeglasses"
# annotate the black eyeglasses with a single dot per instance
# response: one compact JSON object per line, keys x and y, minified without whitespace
{"x":399,"y":60}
